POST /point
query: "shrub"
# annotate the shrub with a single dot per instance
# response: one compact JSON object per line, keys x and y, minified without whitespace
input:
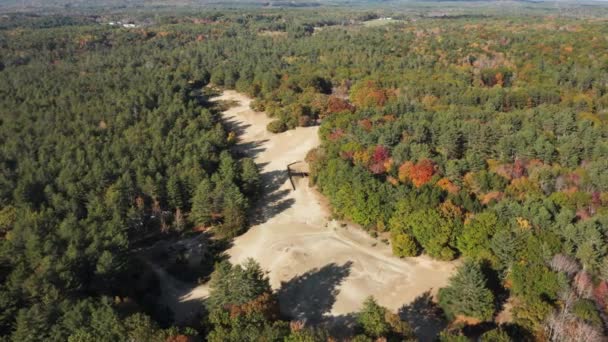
{"x":276,"y":126}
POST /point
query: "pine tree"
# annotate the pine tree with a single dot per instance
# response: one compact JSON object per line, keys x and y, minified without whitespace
{"x":233,"y":212}
{"x":250,"y":176}
{"x":467,"y":294}
{"x":371,"y":319}
{"x":236,"y":285}
{"x":202,"y":204}
{"x":227,"y":168}
{"x":175,"y":192}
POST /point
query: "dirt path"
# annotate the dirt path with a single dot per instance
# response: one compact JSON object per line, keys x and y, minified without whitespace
{"x":321,"y":270}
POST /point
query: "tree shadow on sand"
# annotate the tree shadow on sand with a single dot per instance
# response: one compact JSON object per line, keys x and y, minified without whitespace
{"x":236,"y":126}
{"x":249,"y":149}
{"x":424,"y":316}
{"x":310,"y":296}
{"x":272,"y":200}
{"x":341,"y":327}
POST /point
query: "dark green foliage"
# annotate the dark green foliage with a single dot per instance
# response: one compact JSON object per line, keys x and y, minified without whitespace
{"x":495,"y":335}
{"x":534,"y":281}
{"x":308,"y":335}
{"x":236,"y":285}
{"x":249,"y":327}
{"x":371,"y":319}
{"x":86,"y":320}
{"x":377,"y":322}
{"x":202,"y":204}
{"x":250,"y":176}
{"x":277,"y":126}
{"x":586,"y":310}
{"x":104,"y":143}
{"x":467,"y":294}
{"x":233,"y":212}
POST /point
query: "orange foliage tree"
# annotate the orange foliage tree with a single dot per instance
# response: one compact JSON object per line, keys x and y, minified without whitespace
{"x":338,"y":105}
{"x":422,"y":172}
{"x":447,"y":185}
{"x":405,"y":170}
{"x":369,"y":94}
{"x":419,"y":173}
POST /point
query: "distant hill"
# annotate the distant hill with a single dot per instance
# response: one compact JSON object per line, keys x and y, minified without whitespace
{"x":32,"y":5}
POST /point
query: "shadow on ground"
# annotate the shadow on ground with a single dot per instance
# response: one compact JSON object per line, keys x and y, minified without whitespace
{"x":236,"y":126}
{"x":310,"y":296}
{"x":424,"y":316}
{"x":271,"y":201}
{"x":341,"y":327}
{"x":249,"y":149}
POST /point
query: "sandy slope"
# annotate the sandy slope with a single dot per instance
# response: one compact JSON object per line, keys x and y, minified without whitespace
{"x":320,"y":268}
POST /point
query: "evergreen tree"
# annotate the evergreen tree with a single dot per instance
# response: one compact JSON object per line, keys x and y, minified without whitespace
{"x":202,"y":204}
{"x":372,"y":320}
{"x":233,"y":212}
{"x":236,"y":284}
{"x":175,"y":192}
{"x":467,"y":294}
{"x":250,"y":176}
{"x":377,"y":322}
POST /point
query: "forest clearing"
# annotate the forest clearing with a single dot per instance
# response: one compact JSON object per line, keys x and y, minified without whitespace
{"x":326,"y":269}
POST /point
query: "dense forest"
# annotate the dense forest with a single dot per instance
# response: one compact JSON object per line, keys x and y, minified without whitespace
{"x":474,"y":138}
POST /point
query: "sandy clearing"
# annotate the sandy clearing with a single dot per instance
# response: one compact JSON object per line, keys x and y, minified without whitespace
{"x":319,"y":268}
{"x":297,"y":238}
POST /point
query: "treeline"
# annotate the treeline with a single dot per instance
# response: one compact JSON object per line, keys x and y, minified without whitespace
{"x":243,"y":307}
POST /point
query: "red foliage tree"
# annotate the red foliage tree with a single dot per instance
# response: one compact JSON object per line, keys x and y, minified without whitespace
{"x":338,"y":105}
{"x":422,"y":172}
{"x":379,"y":158}
{"x":381,"y":154}
{"x":600,"y":294}
{"x":266,"y":304}
{"x":519,"y":169}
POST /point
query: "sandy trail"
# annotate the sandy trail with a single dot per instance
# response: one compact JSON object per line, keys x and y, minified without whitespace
{"x":319,"y":268}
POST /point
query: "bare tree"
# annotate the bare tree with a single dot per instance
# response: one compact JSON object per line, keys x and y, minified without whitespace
{"x":565,"y":263}
{"x":585,"y":332}
{"x":583,"y":284}
{"x":562,"y":326}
